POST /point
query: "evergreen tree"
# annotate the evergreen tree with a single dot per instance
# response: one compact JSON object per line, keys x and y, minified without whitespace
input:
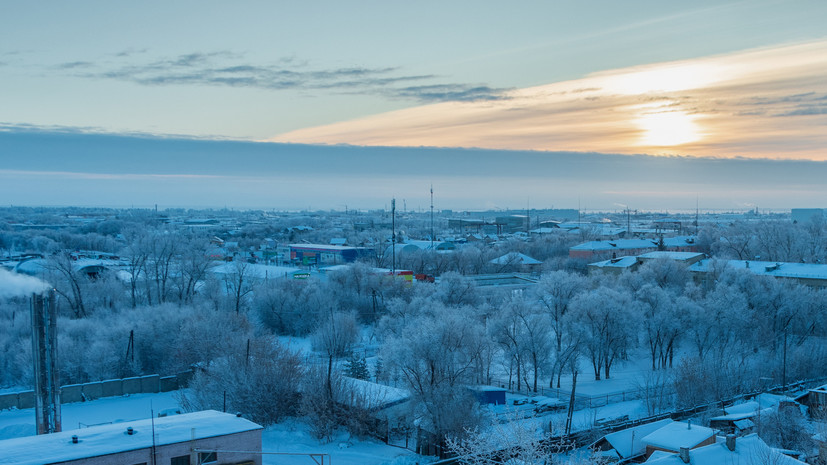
{"x":357,"y":367}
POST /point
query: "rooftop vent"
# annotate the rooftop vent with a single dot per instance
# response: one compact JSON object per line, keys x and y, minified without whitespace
{"x":74,"y":439}
{"x":130,"y":431}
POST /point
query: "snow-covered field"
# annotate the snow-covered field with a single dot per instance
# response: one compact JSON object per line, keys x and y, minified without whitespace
{"x":289,"y":437}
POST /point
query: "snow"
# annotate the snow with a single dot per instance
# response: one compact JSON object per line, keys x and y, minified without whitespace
{"x":622,"y":262}
{"x":293,"y":437}
{"x":289,"y":437}
{"x":255,"y":271}
{"x":678,"y":434}
{"x":777,"y":269}
{"x":748,"y":449}
{"x":628,"y":442}
{"x":376,"y":396}
{"x":515,"y":258}
{"x":110,"y":439}
{"x":16,"y":423}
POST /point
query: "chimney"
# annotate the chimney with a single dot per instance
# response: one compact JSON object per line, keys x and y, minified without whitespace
{"x":688,"y":424}
{"x":44,"y":356}
{"x":684,"y":454}
{"x":730,"y":442}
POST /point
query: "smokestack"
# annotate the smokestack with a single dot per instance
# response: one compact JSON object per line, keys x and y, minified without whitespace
{"x":44,"y":355}
{"x":730,"y":442}
{"x":684,"y":454}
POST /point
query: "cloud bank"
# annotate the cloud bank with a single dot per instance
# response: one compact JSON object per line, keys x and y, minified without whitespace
{"x":58,"y":169}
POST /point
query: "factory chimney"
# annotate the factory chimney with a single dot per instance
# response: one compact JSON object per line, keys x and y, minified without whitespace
{"x":44,"y":354}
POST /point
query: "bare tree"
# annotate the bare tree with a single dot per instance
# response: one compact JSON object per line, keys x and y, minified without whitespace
{"x":336,"y":334}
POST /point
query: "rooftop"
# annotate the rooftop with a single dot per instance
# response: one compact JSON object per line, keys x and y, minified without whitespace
{"x":678,"y":434}
{"x":111,"y":439}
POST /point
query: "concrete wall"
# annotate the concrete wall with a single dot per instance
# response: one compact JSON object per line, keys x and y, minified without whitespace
{"x":109,"y":388}
{"x":8,"y":401}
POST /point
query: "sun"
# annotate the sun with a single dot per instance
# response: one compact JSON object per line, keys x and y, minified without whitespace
{"x":667,"y":128}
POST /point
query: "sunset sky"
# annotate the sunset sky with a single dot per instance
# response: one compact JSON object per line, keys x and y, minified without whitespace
{"x":741,"y":79}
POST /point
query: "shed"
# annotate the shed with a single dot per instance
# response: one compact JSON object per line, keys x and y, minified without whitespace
{"x":489,"y":394}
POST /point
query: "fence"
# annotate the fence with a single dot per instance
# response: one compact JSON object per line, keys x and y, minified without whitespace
{"x":589,"y":401}
{"x":108,"y":388}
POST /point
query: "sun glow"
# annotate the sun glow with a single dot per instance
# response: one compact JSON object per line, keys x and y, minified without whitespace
{"x":667,"y":129}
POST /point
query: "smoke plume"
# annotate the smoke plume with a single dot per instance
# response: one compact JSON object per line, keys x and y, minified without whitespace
{"x":15,"y":284}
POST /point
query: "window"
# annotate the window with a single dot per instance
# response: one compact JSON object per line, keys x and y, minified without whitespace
{"x":180,"y":460}
{"x":207,"y":457}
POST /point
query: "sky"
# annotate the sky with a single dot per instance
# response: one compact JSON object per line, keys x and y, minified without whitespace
{"x":742,"y":79}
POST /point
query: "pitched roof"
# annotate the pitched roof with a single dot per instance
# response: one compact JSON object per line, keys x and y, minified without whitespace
{"x":749,"y":449}
{"x":678,"y":434}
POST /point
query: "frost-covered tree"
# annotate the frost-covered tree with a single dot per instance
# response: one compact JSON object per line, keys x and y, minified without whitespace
{"x":335,"y":336}
{"x":435,"y":352}
{"x":607,"y":323}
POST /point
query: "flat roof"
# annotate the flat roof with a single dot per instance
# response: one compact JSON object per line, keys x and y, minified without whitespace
{"x":777,"y":269}
{"x":112,"y":439}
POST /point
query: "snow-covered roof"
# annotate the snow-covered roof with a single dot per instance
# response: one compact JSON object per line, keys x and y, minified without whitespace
{"x":255,"y":270}
{"x":628,"y":442}
{"x":515,"y":258}
{"x":677,"y":256}
{"x":776,"y":269}
{"x":426,"y":245}
{"x":678,"y":434}
{"x":620,"y":244}
{"x":622,"y":263}
{"x":749,"y":449}
{"x":111,"y":439}
{"x":750,"y":407}
{"x":374,"y":395}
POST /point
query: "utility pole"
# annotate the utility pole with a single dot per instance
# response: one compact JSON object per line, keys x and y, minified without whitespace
{"x":432,"y":217}
{"x":393,"y":237}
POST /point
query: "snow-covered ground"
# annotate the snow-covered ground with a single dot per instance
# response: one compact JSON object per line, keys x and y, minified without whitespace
{"x":289,"y":437}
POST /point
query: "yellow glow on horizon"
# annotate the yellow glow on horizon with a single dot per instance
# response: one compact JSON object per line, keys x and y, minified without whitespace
{"x":667,"y":129}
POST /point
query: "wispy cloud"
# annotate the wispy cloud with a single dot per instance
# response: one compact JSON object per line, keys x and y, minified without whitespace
{"x":769,"y":102}
{"x":229,"y":69}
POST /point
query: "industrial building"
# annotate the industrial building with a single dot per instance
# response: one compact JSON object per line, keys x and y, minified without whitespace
{"x":324,"y":254}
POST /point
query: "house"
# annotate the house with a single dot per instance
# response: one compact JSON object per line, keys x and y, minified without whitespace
{"x":515,"y":259}
{"x":746,"y":450}
{"x":627,"y":443}
{"x":253,"y":272}
{"x":207,"y":437}
{"x":621,"y":247}
{"x":632,"y":263}
{"x":676,"y":436}
{"x":810,"y":274}
{"x":324,"y":254}
{"x":815,"y":399}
